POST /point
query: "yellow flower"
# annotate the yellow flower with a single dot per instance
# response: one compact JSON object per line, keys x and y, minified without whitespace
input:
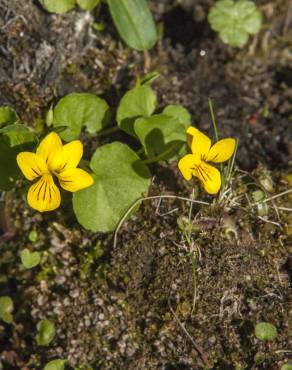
{"x":53,"y":159}
{"x":195,"y":164}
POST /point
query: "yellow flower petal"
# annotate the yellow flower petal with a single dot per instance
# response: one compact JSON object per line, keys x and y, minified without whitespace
{"x":49,"y":146}
{"x":210,"y":178}
{"x":75,"y":179}
{"x":192,"y":130}
{"x":221,"y":151}
{"x":31,"y":165}
{"x":188,"y":164}
{"x":190,"y":134}
{"x":67,"y":157}
{"x":201,"y":144}
{"x":44,"y":195}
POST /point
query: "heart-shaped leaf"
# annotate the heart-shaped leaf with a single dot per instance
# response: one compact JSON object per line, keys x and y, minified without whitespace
{"x":8,"y":116}
{"x":30,"y":259}
{"x":46,"y":332}
{"x":120,"y":178}
{"x":6,"y":307}
{"x":58,"y":6}
{"x":180,"y":113}
{"x":161,"y":135}
{"x":77,"y":110}
{"x":18,"y":134}
{"x":55,"y":365}
{"x":88,"y":4}
{"x":137,"y":102}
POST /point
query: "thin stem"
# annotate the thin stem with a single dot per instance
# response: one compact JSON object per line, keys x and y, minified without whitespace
{"x":194,"y":268}
{"x":161,"y":156}
{"x":140,"y":200}
{"x":147,"y":60}
{"x":213,"y":119}
{"x":108,"y":131}
{"x":231,"y":163}
{"x":200,"y":351}
{"x":273,"y":197}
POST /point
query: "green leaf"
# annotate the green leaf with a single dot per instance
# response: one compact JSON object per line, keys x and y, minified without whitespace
{"x":33,"y":236}
{"x":46,"y":332}
{"x":55,"y":365}
{"x":30,"y":259}
{"x":134,"y":22}
{"x":120,"y":179}
{"x":265,"y":331}
{"x":161,"y":135}
{"x":138,"y":102}
{"x":8,"y":116}
{"x":88,"y":4}
{"x":18,"y":134}
{"x":9,"y":170}
{"x":14,"y":139}
{"x":149,"y":78}
{"x":6,"y":307}
{"x":235,"y":20}
{"x":287,"y":367}
{"x":58,"y":6}
{"x":179,"y":112}
{"x":77,"y":110}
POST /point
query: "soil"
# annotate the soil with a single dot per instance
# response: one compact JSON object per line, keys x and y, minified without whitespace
{"x":130,"y":305}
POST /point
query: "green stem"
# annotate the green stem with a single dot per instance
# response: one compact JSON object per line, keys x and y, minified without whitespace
{"x":108,"y":131}
{"x":140,"y":151}
{"x":213,"y":119}
{"x":160,"y":156}
{"x":193,"y":257}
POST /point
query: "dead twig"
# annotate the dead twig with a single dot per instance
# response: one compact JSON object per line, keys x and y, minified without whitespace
{"x":196,"y":346}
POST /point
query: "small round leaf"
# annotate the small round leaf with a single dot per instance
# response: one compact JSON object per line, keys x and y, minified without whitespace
{"x":235,"y":20}
{"x":265,"y":331}
{"x":137,"y":102}
{"x":8,"y":116}
{"x":6,"y":307}
{"x":58,"y":6}
{"x":88,"y":4}
{"x":180,"y":113}
{"x":77,"y":110}
{"x":55,"y":365}
{"x":287,"y":367}
{"x":46,"y":332}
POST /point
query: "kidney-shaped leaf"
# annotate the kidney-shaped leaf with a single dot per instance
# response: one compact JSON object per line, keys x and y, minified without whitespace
{"x":58,"y":6}
{"x":88,"y":4}
{"x":18,"y":134}
{"x":120,"y":178}
{"x":8,"y":116}
{"x":134,"y":22}
{"x":161,"y":135}
{"x":76,"y":110}
{"x":55,"y":365}
{"x":179,"y":112}
{"x":137,"y":102}
{"x":14,"y":139}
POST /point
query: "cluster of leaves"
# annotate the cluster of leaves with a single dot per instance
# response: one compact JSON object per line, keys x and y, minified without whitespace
{"x":235,"y":20}
{"x":121,"y":175}
{"x":132,"y":18}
